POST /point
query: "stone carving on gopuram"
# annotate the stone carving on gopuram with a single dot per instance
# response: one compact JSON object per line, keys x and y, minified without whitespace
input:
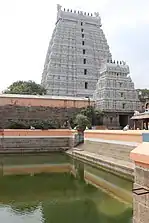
{"x":76,"y":52}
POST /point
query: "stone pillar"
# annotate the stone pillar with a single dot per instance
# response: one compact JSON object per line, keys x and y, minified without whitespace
{"x":134,"y":126}
{"x":140,"y":156}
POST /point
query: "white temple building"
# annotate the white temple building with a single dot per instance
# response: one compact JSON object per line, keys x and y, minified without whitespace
{"x":115,"y":90}
{"x":79,"y":64}
{"x":76,"y":51}
{"x":115,"y":94}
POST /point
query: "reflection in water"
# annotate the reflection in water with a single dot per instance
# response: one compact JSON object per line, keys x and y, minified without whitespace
{"x":7,"y":215}
{"x":58,"y":196}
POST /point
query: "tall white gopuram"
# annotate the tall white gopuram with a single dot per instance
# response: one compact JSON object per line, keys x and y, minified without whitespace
{"x":76,"y":51}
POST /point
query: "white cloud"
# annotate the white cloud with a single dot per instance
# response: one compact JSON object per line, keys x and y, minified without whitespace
{"x":26,"y":28}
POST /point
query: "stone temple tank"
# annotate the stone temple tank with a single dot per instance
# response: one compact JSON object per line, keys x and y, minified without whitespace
{"x":77,"y":49}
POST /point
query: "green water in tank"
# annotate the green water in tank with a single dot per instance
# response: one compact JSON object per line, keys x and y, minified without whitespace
{"x":59,"y":197}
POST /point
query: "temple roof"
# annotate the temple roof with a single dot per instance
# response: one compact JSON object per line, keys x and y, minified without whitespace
{"x":140,"y":116}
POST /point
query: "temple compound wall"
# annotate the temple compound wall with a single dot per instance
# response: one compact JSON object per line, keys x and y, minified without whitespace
{"x":31,"y":107}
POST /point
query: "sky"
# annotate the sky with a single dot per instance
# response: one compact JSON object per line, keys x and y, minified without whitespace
{"x":26,"y":27}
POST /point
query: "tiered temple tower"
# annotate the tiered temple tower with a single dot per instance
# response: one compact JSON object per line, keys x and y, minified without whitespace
{"x":79,"y":64}
{"x":76,"y":52}
{"x":115,"y":93}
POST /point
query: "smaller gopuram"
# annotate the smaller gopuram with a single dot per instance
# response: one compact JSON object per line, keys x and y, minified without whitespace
{"x":115,"y":94}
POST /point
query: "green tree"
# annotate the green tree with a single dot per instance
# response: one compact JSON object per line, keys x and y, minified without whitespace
{"x":89,"y":112}
{"x":82,"y":122}
{"x":95,"y":116}
{"x":143,"y":92}
{"x":25,"y":87}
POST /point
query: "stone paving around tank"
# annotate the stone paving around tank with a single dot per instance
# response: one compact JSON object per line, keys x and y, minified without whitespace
{"x":119,"y":167}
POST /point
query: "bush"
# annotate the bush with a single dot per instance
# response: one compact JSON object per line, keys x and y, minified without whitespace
{"x":82,"y":122}
{"x":44,"y":124}
{"x":18,"y":125}
{"x":38,"y":124}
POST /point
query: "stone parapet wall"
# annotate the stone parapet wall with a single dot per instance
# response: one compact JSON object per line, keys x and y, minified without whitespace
{"x":16,"y":141}
{"x":140,"y":156}
{"x":41,"y":143}
{"x":141,"y":202}
{"x":36,"y":133}
{"x":115,"y":135}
